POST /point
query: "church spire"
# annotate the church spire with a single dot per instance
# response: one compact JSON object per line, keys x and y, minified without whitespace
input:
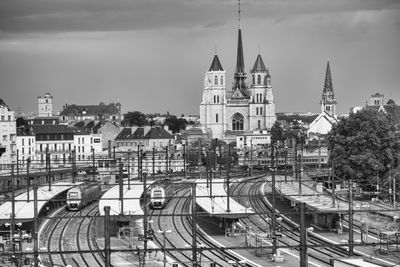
{"x":328,"y":79}
{"x":240,"y":75}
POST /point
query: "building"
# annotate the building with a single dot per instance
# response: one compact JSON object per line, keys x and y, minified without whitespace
{"x":243,"y":109}
{"x":8,"y":148}
{"x":377,"y":103}
{"x":327,"y":118}
{"x":25,"y":141}
{"x":57,"y":140}
{"x":85,"y":144}
{"x":101,"y":112}
{"x":45,"y":105}
{"x":146,"y":138}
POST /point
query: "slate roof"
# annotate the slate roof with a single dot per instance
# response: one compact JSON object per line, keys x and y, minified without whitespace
{"x":153,"y":133}
{"x":259,"y":65}
{"x":125,"y":133}
{"x":216,"y":65}
{"x":158,"y":133}
{"x":46,"y":120}
{"x":51,"y":129}
{"x":100,"y":109}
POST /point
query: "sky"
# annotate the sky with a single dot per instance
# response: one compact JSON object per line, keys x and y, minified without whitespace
{"x":152,"y":55}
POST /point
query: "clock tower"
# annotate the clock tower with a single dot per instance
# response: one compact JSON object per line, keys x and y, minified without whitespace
{"x":45,"y":105}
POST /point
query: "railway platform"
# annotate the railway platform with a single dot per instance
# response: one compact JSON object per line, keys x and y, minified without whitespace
{"x":214,"y":201}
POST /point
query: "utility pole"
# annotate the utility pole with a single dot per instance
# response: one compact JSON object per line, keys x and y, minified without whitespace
{"x":319,"y":153}
{"x":228,"y":169}
{"x":113,"y":152}
{"x":274,"y":241}
{"x":286,"y":155}
{"x":303,"y":236}
{"x":251,"y":157}
{"x":28,"y":179}
{"x":153,"y":160}
{"x":166,"y":161}
{"x":48,"y":167}
{"x":351,"y":238}
{"x":107,"y":236}
{"x":333,"y":185}
{"x":35,"y":224}
{"x":121,"y":187}
{"x":12,"y":226}
{"x":144,"y":214}
{"x":184,"y":161}
{"x":17,"y":161}
{"x":194,"y":224}
{"x":129,"y":170}
{"x":73,"y":166}
{"x":94,"y":167}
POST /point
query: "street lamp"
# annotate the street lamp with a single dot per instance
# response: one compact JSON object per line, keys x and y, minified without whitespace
{"x":163,"y":233}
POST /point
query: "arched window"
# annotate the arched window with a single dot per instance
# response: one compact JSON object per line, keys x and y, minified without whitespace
{"x":216,"y":80}
{"x":215,"y":99}
{"x":259,"y":124}
{"x":216,"y":117}
{"x":260,"y":111}
{"x":259,"y":79}
{"x":222,"y":80}
{"x":265,"y":80}
{"x":254,"y":79}
{"x":256,"y":111}
{"x":237,"y":122}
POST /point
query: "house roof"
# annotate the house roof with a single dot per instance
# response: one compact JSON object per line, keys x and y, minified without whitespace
{"x":158,"y":133}
{"x":90,"y":109}
{"x":51,"y":129}
{"x":139,"y":133}
{"x":46,"y":120}
{"x":125,"y":133}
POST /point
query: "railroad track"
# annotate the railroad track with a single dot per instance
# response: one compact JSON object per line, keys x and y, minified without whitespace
{"x":71,"y":234}
{"x":181,"y":238}
{"x":319,"y":250}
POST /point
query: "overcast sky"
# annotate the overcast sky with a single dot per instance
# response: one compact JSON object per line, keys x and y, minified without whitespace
{"x":152,"y":55}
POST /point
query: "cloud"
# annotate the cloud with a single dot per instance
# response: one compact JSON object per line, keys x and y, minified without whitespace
{"x":122,"y":15}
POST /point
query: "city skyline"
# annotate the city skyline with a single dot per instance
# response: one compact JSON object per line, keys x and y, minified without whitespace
{"x":151,"y":56}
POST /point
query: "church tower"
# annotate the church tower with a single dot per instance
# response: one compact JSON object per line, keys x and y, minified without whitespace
{"x":212,"y":107}
{"x":262,"y":107}
{"x":45,"y":105}
{"x":328,"y":101}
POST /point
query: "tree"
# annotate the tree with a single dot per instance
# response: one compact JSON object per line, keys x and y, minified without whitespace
{"x":175,"y":124}
{"x":363,"y":144}
{"x":276,"y":133}
{"x":135,"y":118}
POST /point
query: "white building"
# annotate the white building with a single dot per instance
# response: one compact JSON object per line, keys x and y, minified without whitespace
{"x":84,"y":142}
{"x":327,"y":118}
{"x":45,"y":105}
{"x":25,"y":146}
{"x":243,"y":109}
{"x":8,"y":148}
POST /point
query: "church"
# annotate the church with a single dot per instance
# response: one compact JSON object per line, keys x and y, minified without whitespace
{"x":246,"y":108}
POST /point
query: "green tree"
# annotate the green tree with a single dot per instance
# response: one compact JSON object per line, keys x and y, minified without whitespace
{"x":175,"y":124}
{"x":363,"y":144}
{"x":135,"y":118}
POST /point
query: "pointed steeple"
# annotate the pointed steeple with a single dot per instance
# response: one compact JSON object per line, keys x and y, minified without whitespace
{"x":259,"y":65}
{"x":328,"y":79}
{"x":216,"y":65}
{"x":239,"y":59}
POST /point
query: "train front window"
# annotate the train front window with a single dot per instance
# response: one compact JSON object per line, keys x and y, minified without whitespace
{"x":157,"y":194}
{"x":73,"y":195}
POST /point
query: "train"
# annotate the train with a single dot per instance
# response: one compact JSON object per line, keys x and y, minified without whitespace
{"x":81,"y":195}
{"x":160,"y":194}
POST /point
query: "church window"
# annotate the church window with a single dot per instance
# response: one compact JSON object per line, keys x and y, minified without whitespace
{"x":221,"y":81}
{"x":265,"y":80}
{"x":259,"y":79}
{"x":257,"y":98}
{"x":260,"y":111}
{"x":256,"y":111}
{"x":216,"y":117}
{"x":259,"y":124}
{"x":216,"y":80}
{"x":237,"y":122}
{"x":328,"y":108}
{"x":254,"y":79}
{"x":214,"y":99}
{"x":217,"y":98}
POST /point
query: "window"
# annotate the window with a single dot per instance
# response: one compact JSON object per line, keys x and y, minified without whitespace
{"x":83,"y":140}
{"x":254,"y":79}
{"x":259,"y":79}
{"x":216,"y":80}
{"x":259,"y":124}
{"x":216,"y":117}
{"x":23,"y":142}
{"x":221,"y":80}
{"x":237,"y":122}
{"x":257,"y":111}
{"x":41,"y":148}
{"x":55,"y":147}
{"x":29,"y":142}
{"x":79,"y":149}
{"x":260,"y":111}
{"x":2,"y":117}
{"x":69,"y":147}
{"x":265,"y":80}
{"x":4,"y":137}
{"x":215,"y":99}
{"x":83,"y":149}
{"x":328,"y":108}
{"x":30,"y":151}
{"x":79,"y":140}
{"x":23,"y":151}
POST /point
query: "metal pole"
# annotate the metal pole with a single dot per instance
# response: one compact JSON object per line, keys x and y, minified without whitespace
{"x":109,"y":148}
{"x":153,"y":160}
{"x":184,"y":161}
{"x":94,"y":168}
{"x":166,"y":161}
{"x":286,"y":154}
{"x":274,"y":243}
{"x":35,"y":224}
{"x":12,"y":226}
{"x":194,"y":224}
{"x":228,"y":169}
{"x":48,"y":167}
{"x":251,"y":157}
{"x":28,"y":179}
{"x":333,"y":185}
{"x":121,"y":187}
{"x":351,"y":238}
{"x":165,"y":256}
{"x":17,"y":161}
{"x":303,"y":236}
{"x":208,"y":166}
{"x":73,"y":166}
{"x":129,"y":170}
{"x":144,"y":213}
{"x":319,"y":153}
{"x":114,"y":152}
{"x":107,"y":236}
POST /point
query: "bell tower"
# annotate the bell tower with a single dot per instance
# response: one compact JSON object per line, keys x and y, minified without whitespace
{"x":328,"y":101}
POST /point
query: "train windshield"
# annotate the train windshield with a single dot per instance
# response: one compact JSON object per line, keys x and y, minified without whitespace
{"x":73,"y":195}
{"x":157,"y":194}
